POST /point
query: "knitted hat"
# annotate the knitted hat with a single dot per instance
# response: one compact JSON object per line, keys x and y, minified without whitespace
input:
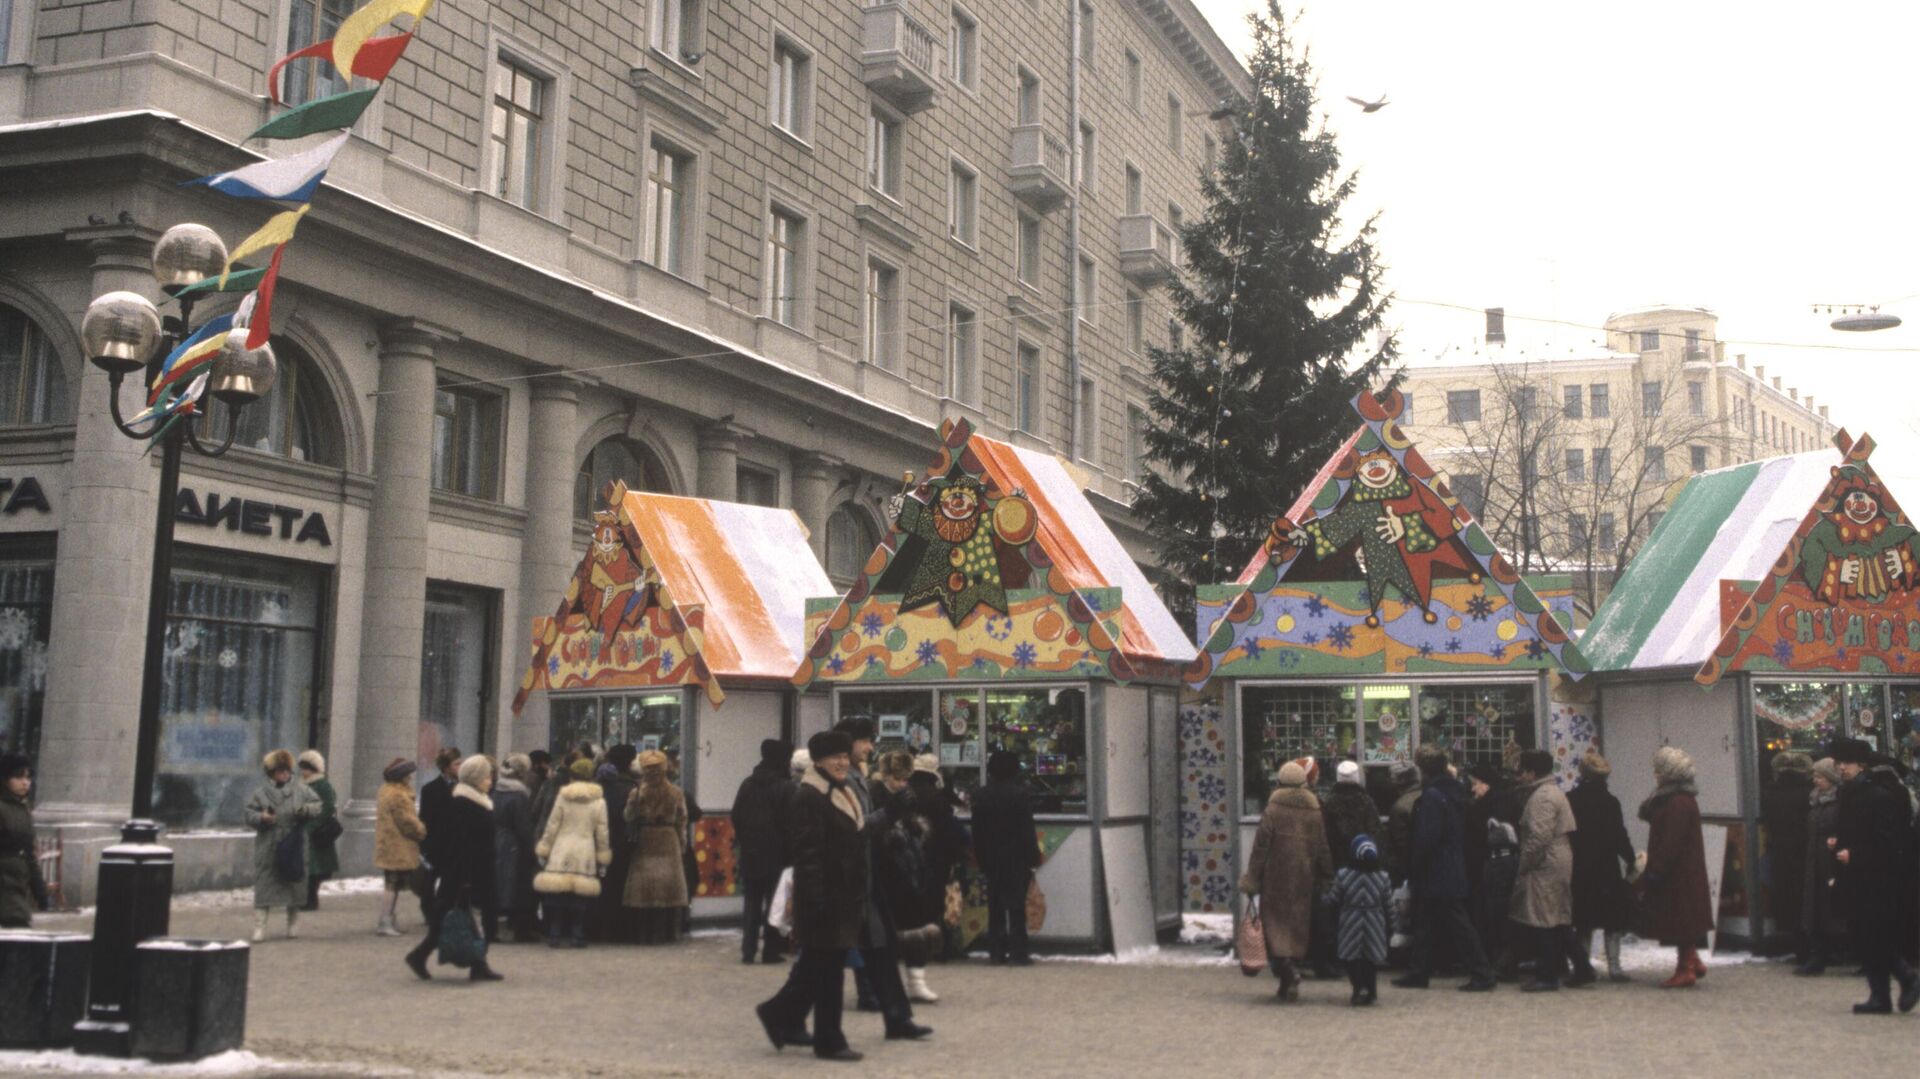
{"x":1825,"y":767}
{"x":651,"y":761}
{"x":277,"y":761}
{"x":581,"y":770}
{"x":1292,"y":775}
{"x":1852,"y":751}
{"x":399,"y":768}
{"x":829,"y":744}
{"x":1792,"y":762}
{"x":1672,"y":765}
{"x":1593,"y":765}
{"x":312,"y":761}
{"x":474,"y":769}
{"x":1348,"y":772}
{"x":801,"y":761}
{"x":774,"y":753}
{"x":1364,"y":851}
{"x":1311,"y":767}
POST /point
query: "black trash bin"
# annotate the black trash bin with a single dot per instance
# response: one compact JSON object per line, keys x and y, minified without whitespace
{"x":43,"y":987}
{"x":189,"y":998}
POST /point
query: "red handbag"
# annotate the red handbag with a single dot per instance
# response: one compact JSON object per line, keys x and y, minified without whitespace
{"x":1250,"y":940}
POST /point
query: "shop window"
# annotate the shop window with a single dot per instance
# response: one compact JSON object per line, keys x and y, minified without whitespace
{"x":33,"y":386}
{"x":1280,"y":723}
{"x":654,"y":720}
{"x":1046,"y":728}
{"x":617,"y":458}
{"x":456,"y":669}
{"x":1477,"y":723}
{"x":295,"y":420}
{"x":1903,"y":727}
{"x":310,"y":21}
{"x":466,"y":440}
{"x":850,"y":541}
{"x":1387,"y":730}
{"x":239,"y":677}
{"x":26,"y":613}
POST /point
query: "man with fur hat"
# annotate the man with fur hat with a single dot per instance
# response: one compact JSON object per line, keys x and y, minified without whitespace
{"x":280,"y":808}
{"x":1783,"y":816}
{"x":759,"y":835}
{"x":323,"y":861}
{"x":397,"y":832}
{"x":1437,"y":876}
{"x":1874,"y":850}
{"x":1601,"y":852}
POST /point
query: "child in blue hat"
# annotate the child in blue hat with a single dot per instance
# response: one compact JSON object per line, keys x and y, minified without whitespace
{"x":1364,"y":896}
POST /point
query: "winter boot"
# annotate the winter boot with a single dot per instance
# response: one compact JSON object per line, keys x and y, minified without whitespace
{"x":1693,"y":958}
{"x":386,"y":928}
{"x":917,"y":990}
{"x":259,"y":924}
{"x":1683,"y":974}
{"x":1614,"y":973}
{"x":293,"y":917}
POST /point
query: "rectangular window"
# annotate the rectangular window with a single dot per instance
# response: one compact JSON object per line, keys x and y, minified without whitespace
{"x":456,"y":668}
{"x":1135,"y":196}
{"x":963,"y":354}
{"x":1027,"y":262}
{"x":1026,"y":388}
{"x":26,"y":606}
{"x":1208,"y":150}
{"x":675,"y":29}
{"x":1650,"y":399}
{"x":1570,"y":406}
{"x":653,"y":719}
{"x":785,"y":237}
{"x":308,"y":22}
{"x":1029,"y":102}
{"x":1471,"y":490}
{"x":1086,"y":290}
{"x":1527,"y":401}
{"x":1693,"y":342}
{"x":1136,"y":443}
{"x":1463,"y":406}
{"x":1697,"y":458}
{"x":883,"y":152}
{"x":1577,"y":538}
{"x":1576,"y":466}
{"x":466,"y":440}
{"x":1136,"y":323}
{"x":1134,"y":98}
{"x":1177,"y":225}
{"x":963,"y":204}
{"x":668,"y":173}
{"x":792,"y":88}
{"x":756,"y":486}
{"x":1656,"y":464}
{"x":1176,"y":123}
{"x":1176,"y":335}
{"x":1086,"y":33}
{"x":1605,"y":539}
{"x":1649,"y":340}
{"x":963,"y":49}
{"x":1597,"y":398}
{"x":1088,"y":164}
{"x":883,"y":315}
{"x":1602,"y":465}
{"x":1696,"y":398}
{"x":517,"y":119}
{"x":1089,"y":413}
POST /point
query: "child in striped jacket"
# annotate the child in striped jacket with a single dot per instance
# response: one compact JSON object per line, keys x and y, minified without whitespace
{"x":1364,"y":896}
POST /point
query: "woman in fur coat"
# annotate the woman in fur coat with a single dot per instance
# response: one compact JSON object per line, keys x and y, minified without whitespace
{"x":466,"y":861}
{"x":1290,"y":864}
{"x":323,"y":860}
{"x":656,"y":885}
{"x":1674,"y":886}
{"x":282,"y":806}
{"x":574,"y":851}
{"x":397,"y":832}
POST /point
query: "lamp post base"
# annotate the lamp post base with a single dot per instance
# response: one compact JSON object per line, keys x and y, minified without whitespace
{"x":134,"y":903}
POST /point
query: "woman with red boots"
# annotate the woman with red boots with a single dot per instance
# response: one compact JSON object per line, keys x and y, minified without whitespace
{"x":1674,"y":894}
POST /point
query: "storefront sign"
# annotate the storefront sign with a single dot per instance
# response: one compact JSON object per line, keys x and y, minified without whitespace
{"x":252,"y":517}
{"x":24,"y":493}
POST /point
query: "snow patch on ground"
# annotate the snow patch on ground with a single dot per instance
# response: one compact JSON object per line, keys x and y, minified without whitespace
{"x":1645,"y":955}
{"x":66,"y":1061}
{"x":1206,"y":929}
{"x":243,"y":897}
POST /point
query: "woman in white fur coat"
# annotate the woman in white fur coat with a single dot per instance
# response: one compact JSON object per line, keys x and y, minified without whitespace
{"x":574,"y":852}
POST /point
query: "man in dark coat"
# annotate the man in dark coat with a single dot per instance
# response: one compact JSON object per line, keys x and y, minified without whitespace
{"x":878,"y":977}
{"x":466,"y":866}
{"x":1347,"y":812}
{"x":1399,"y":852}
{"x":1491,"y":846}
{"x":1601,"y":850}
{"x":22,"y":891}
{"x":1008,"y":851}
{"x":759,"y":831}
{"x":1783,"y":813}
{"x":611,"y":919}
{"x":1876,"y":880}
{"x":436,"y":797}
{"x":1437,"y":874}
{"x":830,"y":900}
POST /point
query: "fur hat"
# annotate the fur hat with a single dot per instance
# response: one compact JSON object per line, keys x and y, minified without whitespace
{"x":581,"y":769}
{"x":15,"y":764}
{"x":397,"y":769}
{"x":1347,"y":772}
{"x":620,"y":757}
{"x":1364,"y":851}
{"x":474,"y":769}
{"x":1827,"y":768}
{"x":927,"y":763}
{"x":1593,"y":765}
{"x":858,"y":728}
{"x":1672,"y":765}
{"x":800,"y":763}
{"x":651,"y":761}
{"x":1792,"y":762}
{"x":829,"y":744}
{"x":1311,"y":767}
{"x":277,"y":761}
{"x":1851,"y":751}
{"x":774,"y":752}
{"x":312,"y":761}
{"x":1292,"y":775}
{"x":517,"y":765}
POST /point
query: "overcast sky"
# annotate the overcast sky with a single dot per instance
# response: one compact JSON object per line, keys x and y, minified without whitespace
{"x":1568,"y":161}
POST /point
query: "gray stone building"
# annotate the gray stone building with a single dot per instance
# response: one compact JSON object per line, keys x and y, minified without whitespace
{"x":730,"y":249}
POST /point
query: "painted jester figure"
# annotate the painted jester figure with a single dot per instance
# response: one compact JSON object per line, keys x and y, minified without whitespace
{"x":1403,"y":531}
{"x":1862,"y":547}
{"x":611,"y":586}
{"x":962,"y":536}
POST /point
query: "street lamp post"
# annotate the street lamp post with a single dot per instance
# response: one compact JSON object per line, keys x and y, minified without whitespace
{"x":123,"y":332}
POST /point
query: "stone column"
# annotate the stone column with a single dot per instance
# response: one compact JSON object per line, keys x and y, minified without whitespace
{"x":394,"y":612}
{"x":547,"y":557}
{"x":91,"y":714}
{"x":720,"y":460}
{"x":815,"y":476}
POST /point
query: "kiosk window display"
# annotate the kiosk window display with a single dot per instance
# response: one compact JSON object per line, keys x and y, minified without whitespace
{"x":1045,"y":726}
{"x":643,"y":720}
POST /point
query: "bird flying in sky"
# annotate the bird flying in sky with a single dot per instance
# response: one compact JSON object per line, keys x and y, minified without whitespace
{"x":1369,"y":106}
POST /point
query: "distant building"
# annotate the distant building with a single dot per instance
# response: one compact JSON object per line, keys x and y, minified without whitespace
{"x":1569,"y":459}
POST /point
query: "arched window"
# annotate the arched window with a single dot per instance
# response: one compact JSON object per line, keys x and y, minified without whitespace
{"x":33,"y":387}
{"x":850,"y":540}
{"x":618,"y":458}
{"x":295,"y":419}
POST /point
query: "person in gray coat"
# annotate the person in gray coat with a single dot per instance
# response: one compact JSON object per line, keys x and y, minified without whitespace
{"x":513,"y":839}
{"x":1543,"y":887}
{"x":281,"y":806}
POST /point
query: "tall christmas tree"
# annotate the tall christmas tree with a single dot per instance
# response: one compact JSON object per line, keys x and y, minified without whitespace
{"x":1275,"y":308}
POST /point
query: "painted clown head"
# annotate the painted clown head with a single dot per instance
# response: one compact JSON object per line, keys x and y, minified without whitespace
{"x":606,"y":535}
{"x":1861,"y":499}
{"x":1377,"y":468}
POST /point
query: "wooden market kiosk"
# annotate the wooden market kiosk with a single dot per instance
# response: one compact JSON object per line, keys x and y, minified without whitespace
{"x":1776,"y":606}
{"x":680,"y":607}
{"x":1000,"y":613}
{"x":1377,"y":617}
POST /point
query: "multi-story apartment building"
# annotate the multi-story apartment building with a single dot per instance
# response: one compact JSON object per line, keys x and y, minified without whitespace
{"x":741,"y":250}
{"x":1569,"y":457}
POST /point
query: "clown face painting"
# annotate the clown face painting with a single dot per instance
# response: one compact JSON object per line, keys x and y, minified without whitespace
{"x":1862,"y":547}
{"x":961,"y":547}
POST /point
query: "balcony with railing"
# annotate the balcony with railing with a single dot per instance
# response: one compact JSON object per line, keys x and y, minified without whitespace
{"x":897,"y":56}
{"x":1146,"y":250}
{"x":1037,"y":166}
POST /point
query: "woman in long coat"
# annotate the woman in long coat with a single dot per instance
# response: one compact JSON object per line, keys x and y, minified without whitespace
{"x":466,"y":861}
{"x":656,"y":885}
{"x":1601,"y":848}
{"x":513,"y":847}
{"x":323,"y":859}
{"x":1820,"y":916}
{"x":610,"y":919}
{"x":1290,"y":864}
{"x":281,"y":806}
{"x":1543,"y":878}
{"x":1678,"y":910}
{"x":574,"y":851}
{"x":397,"y":832}
{"x":1783,"y":814}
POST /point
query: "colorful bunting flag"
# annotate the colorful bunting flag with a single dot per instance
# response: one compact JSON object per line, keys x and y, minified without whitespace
{"x":293,"y":178}
{"x":237,"y":281}
{"x":374,"y":60}
{"x":356,"y":28}
{"x":321,"y":114}
{"x":278,"y":230}
{"x":204,"y":344}
{"x":259,"y":320}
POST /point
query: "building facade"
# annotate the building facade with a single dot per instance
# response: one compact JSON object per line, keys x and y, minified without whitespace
{"x":742,"y":251}
{"x":1571,"y":458}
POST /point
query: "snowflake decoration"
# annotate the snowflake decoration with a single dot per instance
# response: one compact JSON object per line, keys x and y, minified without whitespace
{"x":1216,"y":888}
{"x":1340,"y":637}
{"x":1426,"y":650}
{"x":666,"y":660}
{"x":1092,"y":601}
{"x":553,"y":666}
{"x":1498,"y":651}
{"x":1840,"y":655}
{"x":1453,"y":644}
{"x":1311,"y":639}
{"x":999,"y":627}
{"x":229,"y":659}
{"x":927,"y":653}
{"x":835,"y":665}
{"x":1024,"y":654}
{"x":1535,"y":649}
{"x":15,"y":629}
{"x":1213,"y":788}
{"x":1203,"y":757}
{"x":1252,"y":647}
{"x":871,"y":625}
{"x":1783,"y":652}
{"x":1189,"y":824}
{"x":1316,"y":607}
{"x":1479,"y":607}
{"x":872,"y":662}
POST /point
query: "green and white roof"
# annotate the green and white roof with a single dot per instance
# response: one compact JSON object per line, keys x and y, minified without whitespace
{"x":1729,"y":524}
